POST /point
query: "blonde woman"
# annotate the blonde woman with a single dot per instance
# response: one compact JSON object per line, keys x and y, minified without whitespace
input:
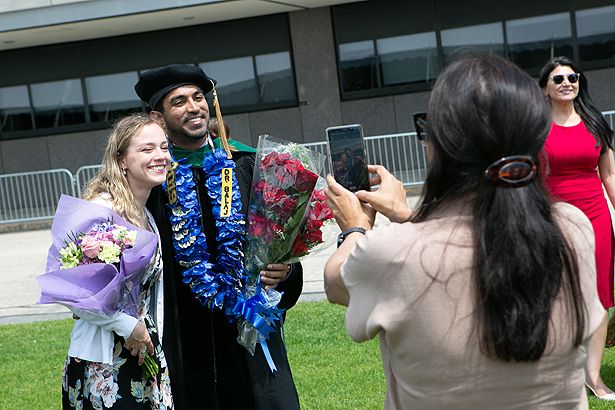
{"x":103,"y":368}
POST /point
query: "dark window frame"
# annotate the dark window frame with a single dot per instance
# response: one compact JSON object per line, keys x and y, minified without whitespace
{"x":381,"y":91}
{"x":271,"y":40}
{"x":260,"y":105}
{"x":30,"y":109}
{"x":90,"y":125}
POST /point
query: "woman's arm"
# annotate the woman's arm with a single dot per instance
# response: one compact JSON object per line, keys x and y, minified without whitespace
{"x":606,"y":168}
{"x":120,"y":322}
{"x":132,"y":330}
{"x":334,"y":285}
{"x":349,"y":212}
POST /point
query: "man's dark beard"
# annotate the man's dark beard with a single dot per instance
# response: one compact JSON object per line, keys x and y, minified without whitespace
{"x":193,"y":136}
{"x":198,"y":136}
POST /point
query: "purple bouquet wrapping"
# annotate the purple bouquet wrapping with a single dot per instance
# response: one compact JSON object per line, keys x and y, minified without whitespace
{"x":88,"y":283}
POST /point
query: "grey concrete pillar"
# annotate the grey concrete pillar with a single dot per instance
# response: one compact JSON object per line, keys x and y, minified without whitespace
{"x":315,"y":71}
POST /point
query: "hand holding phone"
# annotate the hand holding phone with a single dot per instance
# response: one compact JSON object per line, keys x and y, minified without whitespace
{"x":347,"y":156}
{"x":390,"y":197}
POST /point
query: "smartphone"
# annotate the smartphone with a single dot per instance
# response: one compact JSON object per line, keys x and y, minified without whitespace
{"x":347,"y":156}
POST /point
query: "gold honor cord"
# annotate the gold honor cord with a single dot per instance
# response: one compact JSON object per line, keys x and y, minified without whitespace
{"x":221,"y":130}
{"x":171,"y":191}
{"x":227,"y":193}
{"x":227,"y":173}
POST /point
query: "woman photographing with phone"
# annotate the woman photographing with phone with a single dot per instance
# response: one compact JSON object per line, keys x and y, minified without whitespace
{"x":581,"y":141}
{"x":486,"y":297}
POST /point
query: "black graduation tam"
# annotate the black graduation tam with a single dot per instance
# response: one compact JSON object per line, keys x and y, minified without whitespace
{"x":156,"y":83}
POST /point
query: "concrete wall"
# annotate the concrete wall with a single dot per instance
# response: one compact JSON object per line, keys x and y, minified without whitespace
{"x":69,"y":151}
{"x":315,"y":64}
{"x":317,"y":87}
{"x":320,"y":106}
{"x":318,"y":92}
{"x":602,"y":88}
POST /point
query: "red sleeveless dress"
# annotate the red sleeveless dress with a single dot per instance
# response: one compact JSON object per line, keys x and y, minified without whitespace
{"x":572,"y":177}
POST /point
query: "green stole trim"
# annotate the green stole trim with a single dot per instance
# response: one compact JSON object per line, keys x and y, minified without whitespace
{"x":195,"y":157}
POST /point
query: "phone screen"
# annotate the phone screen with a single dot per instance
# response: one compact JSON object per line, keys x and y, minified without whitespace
{"x":347,"y":157}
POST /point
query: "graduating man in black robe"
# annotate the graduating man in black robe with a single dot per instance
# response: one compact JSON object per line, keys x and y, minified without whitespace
{"x":208,"y":368}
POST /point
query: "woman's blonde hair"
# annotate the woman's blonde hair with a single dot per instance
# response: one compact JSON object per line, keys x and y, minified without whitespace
{"x":110,"y":179}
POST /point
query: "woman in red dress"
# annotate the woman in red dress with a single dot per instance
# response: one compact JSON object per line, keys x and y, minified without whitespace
{"x":580,"y":141}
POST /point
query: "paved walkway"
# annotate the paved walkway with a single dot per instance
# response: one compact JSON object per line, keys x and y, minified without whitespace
{"x":23,"y":256}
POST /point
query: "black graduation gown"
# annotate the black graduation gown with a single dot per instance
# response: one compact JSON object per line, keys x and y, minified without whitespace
{"x":208,"y":368}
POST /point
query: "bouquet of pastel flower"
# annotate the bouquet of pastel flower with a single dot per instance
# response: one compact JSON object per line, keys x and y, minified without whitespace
{"x":284,"y":218}
{"x":103,"y":243}
{"x":99,"y":269}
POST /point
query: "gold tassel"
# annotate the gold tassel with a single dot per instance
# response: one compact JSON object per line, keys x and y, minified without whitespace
{"x":221,"y":130}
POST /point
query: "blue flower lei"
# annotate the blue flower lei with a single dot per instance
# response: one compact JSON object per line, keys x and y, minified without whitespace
{"x":219,"y":283}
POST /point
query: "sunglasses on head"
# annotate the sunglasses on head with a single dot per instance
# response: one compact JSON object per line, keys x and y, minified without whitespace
{"x":572,"y":78}
{"x":420,"y":125}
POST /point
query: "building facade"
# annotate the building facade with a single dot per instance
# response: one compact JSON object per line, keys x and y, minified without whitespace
{"x":284,"y":68}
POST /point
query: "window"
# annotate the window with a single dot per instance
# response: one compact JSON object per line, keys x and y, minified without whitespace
{"x":389,"y":61}
{"x":58,"y":103}
{"x":385,"y":46}
{"x":15,"y":114}
{"x":256,"y":81}
{"x":358,"y":65}
{"x":112,"y":96}
{"x":275,"y":78}
{"x":533,"y":41}
{"x":408,"y":59}
{"x":87,"y":84}
{"x":480,"y":38}
{"x":236,"y":82}
{"x":596,"y":33}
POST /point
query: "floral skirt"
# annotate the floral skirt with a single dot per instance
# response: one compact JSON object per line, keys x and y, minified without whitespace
{"x":97,"y":386}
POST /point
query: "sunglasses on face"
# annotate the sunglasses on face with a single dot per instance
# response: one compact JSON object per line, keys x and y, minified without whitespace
{"x":572,"y":78}
{"x":420,"y":125}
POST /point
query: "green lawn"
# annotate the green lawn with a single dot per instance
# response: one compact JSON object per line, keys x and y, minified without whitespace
{"x":31,"y":360}
{"x":331,"y":372}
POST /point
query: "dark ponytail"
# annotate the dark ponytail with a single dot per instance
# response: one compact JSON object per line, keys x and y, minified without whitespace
{"x":484,"y":108}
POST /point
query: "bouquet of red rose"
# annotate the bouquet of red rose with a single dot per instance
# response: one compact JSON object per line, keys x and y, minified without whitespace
{"x":285,"y":215}
{"x":317,"y":218}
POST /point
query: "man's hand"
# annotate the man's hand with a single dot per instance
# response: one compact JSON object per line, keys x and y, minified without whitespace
{"x":274,"y":274}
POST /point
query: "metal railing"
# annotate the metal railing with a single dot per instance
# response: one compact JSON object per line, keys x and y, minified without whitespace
{"x":401,"y":154}
{"x":83,"y":175}
{"x":610,"y":118}
{"x":32,"y":196}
